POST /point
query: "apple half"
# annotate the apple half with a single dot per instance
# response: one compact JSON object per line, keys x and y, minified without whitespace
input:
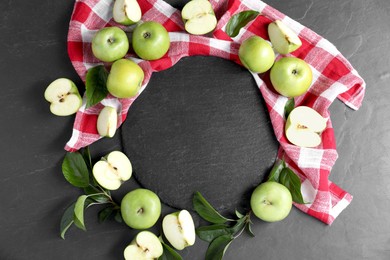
{"x":126,"y":12}
{"x":283,"y":39}
{"x":145,"y":245}
{"x":199,"y":17}
{"x":107,"y":121}
{"x":304,"y":126}
{"x":112,"y":170}
{"x":179,"y":229}
{"x":64,"y":97}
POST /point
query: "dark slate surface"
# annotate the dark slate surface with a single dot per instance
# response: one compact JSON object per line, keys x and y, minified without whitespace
{"x":34,"y":193}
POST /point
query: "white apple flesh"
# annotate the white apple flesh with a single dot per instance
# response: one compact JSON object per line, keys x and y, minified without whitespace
{"x":145,"y":245}
{"x":283,"y":39}
{"x":113,"y":170}
{"x":126,"y":12}
{"x":304,"y":126}
{"x":179,"y":229}
{"x":107,"y":121}
{"x":64,"y":97}
{"x":199,"y":17}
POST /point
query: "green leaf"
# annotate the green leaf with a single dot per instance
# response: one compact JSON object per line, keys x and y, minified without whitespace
{"x":238,"y":226}
{"x":238,"y":21}
{"x":118,"y":216}
{"x":96,"y":195}
{"x":248,"y":228}
{"x":218,"y":247}
{"x":289,"y":179}
{"x":239,"y":214}
{"x":275,"y":171}
{"x":105,"y":213}
{"x":95,"y":84}
{"x":66,"y":220}
{"x":289,"y":107}
{"x":209,"y":233}
{"x":75,"y":170}
{"x":206,"y":211}
{"x":79,"y":212}
{"x":87,"y":157}
{"x":169,"y":253}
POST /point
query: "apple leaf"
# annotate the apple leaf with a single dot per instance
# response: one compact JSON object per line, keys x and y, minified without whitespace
{"x":218,"y":247}
{"x":75,"y":170}
{"x":248,"y":228}
{"x":275,"y":172}
{"x":118,"y":216}
{"x":289,"y":179}
{"x":85,"y":152}
{"x":238,"y":21}
{"x":209,"y":233}
{"x":290,"y":104}
{"x":206,"y":211}
{"x":79,"y":212}
{"x":105,"y":213}
{"x":95,"y":84}
{"x":67,"y":220}
{"x":169,"y":253}
{"x":239,"y":214}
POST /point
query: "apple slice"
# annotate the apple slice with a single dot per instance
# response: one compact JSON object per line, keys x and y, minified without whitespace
{"x":283,"y":39}
{"x":64,"y":97}
{"x":179,"y":229}
{"x":107,"y":122}
{"x":126,"y":12}
{"x":145,"y":245}
{"x":304,"y":126}
{"x":111,"y":171}
{"x":199,"y":17}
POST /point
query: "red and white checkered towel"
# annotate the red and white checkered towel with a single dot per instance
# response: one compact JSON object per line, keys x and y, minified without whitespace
{"x":333,"y":77}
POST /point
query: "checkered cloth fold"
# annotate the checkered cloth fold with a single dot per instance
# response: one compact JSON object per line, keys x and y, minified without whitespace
{"x":333,"y":77}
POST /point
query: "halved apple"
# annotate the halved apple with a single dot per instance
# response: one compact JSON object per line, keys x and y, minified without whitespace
{"x":111,"y":171}
{"x":107,"y":121}
{"x":64,"y":97}
{"x":283,"y":39}
{"x":126,"y":12}
{"x":179,"y":229}
{"x":145,"y":245}
{"x":304,"y":126}
{"x":199,"y":17}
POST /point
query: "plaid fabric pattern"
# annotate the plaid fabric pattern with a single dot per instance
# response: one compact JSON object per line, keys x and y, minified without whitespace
{"x":333,"y":77}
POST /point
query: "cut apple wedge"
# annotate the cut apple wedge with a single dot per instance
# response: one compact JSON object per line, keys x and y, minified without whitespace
{"x":179,"y":229}
{"x":145,"y":245}
{"x":64,"y":97}
{"x":107,"y":121}
{"x":304,"y":126}
{"x":199,"y":17}
{"x":283,"y":39}
{"x":111,"y":171}
{"x":126,"y":12}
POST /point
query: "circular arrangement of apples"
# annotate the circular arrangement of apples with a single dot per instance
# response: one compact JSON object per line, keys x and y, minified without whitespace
{"x":141,"y":208}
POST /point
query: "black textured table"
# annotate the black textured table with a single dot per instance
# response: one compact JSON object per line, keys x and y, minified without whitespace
{"x":35,"y":194}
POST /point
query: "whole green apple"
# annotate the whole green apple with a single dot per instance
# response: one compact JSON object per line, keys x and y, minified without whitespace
{"x":110,"y":44}
{"x":140,"y":208}
{"x":271,"y":201}
{"x":125,"y":78}
{"x":256,"y":54}
{"x":150,"y":40}
{"x":291,"y":76}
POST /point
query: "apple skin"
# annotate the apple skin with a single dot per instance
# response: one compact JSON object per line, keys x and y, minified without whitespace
{"x":110,"y":44}
{"x":140,"y":208}
{"x":271,"y":201}
{"x":125,"y":78}
{"x":256,"y":54}
{"x":291,"y":76}
{"x":150,"y":40}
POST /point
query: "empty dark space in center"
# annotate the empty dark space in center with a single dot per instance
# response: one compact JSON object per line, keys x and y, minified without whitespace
{"x":201,"y":125}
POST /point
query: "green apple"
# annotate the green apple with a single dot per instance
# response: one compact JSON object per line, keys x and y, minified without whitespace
{"x":198,"y":17}
{"x":107,"y":121}
{"x":112,"y":170}
{"x":271,"y":201}
{"x":126,"y":12}
{"x":256,"y":54}
{"x":283,"y":39}
{"x":150,"y":40}
{"x":125,"y":78}
{"x":145,"y":245}
{"x":304,"y":126}
{"x":179,"y":229}
{"x":140,"y":208}
{"x":64,"y":97}
{"x":110,"y":44}
{"x":291,"y":76}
